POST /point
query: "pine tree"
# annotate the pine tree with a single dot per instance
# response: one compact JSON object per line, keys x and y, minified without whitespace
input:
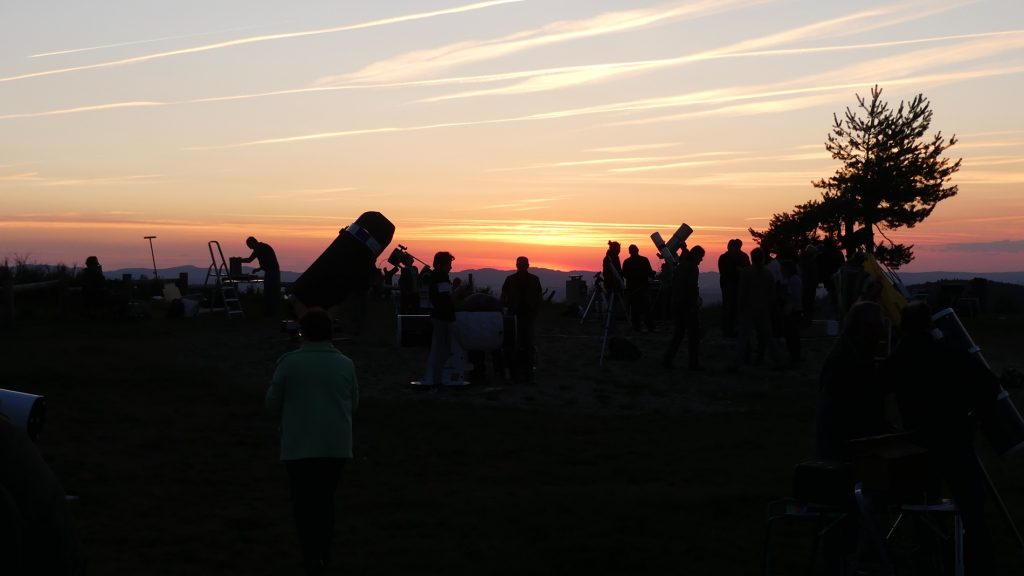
{"x":892,"y":176}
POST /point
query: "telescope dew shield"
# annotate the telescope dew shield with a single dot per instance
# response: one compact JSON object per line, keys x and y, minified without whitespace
{"x":679,"y":238}
{"x":346,"y":265}
{"x":659,"y":243}
{"x":26,"y":411}
{"x":669,"y":249}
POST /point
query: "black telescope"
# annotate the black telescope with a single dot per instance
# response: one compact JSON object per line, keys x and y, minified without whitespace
{"x":347,"y":265}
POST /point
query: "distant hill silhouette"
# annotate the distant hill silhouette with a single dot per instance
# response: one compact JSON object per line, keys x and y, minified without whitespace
{"x":709,"y":290}
{"x":555,"y":279}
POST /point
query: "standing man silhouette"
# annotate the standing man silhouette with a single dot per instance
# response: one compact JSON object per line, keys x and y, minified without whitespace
{"x":262,"y":252}
{"x":521,"y":294}
{"x":637,"y":272}
{"x":729,"y":265}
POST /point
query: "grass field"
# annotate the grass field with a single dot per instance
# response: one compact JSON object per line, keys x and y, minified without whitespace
{"x":159,"y":427}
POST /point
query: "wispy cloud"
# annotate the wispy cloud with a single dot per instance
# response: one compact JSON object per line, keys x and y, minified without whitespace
{"x":308,"y":193}
{"x":138,"y":42}
{"x":994,"y":160}
{"x":633,"y":147}
{"x":39,"y":179}
{"x":968,"y":175}
{"x":710,"y":158}
{"x":76,"y":110}
{"x":261,"y":38}
{"x":1011,"y":246}
{"x":524,"y":204}
{"x":860,"y":22}
{"x":577,"y":163}
{"x":565,"y":233}
{"x":20,"y":177}
{"x":424,"y":63}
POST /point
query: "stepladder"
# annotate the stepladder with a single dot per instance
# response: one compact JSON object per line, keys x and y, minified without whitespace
{"x":225,"y":290}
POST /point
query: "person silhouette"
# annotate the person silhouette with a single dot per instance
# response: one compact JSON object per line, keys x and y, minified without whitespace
{"x":729,"y":265}
{"x":93,"y":283}
{"x":262,"y":252}
{"x":442,"y":315}
{"x":611,"y":267}
{"x":521,"y":295}
{"x":637,"y":272}
{"x":755,"y":302}
{"x":314,"y":392}
{"x":686,"y":304}
{"x":851,"y":392}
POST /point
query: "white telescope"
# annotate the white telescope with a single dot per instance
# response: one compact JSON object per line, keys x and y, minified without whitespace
{"x":669,"y":249}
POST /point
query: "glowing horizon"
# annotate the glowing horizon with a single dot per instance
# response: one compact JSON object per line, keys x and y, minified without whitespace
{"x":491,"y":129}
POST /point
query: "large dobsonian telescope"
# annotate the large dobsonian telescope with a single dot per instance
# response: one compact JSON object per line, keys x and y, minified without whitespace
{"x":347,"y":265}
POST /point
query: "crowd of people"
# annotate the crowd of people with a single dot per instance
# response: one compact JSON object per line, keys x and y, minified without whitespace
{"x":768,"y":297}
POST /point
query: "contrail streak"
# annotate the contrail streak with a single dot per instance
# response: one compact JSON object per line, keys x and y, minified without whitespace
{"x":615,"y":67}
{"x":137,"y":42}
{"x":263,"y":38}
{"x":712,"y":97}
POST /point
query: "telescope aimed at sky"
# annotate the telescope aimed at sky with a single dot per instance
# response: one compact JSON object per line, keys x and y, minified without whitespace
{"x":347,"y":265}
{"x":669,"y":249}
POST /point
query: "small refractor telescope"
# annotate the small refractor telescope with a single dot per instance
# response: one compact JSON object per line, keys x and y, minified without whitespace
{"x":401,"y":257}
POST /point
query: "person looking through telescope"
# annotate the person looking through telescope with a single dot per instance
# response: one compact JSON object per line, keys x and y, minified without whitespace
{"x":262,"y":252}
{"x":686,"y":308}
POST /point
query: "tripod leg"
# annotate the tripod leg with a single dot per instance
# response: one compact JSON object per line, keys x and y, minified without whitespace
{"x":1002,"y":505}
{"x":607,"y":325}
{"x":586,"y":310}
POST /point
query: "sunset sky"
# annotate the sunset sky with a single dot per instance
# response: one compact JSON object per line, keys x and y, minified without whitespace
{"x":489,"y":129}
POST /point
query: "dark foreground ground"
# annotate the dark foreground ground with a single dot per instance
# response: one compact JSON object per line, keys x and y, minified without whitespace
{"x":158,"y":426}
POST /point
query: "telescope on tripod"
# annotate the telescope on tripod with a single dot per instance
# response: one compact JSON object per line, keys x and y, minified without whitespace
{"x":401,"y":257}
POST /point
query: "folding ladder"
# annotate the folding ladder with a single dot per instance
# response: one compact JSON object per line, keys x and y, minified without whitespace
{"x":225,"y":290}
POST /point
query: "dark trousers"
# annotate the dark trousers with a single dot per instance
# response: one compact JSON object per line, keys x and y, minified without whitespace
{"x":522,"y":360}
{"x":640,"y":309}
{"x":271,"y":290}
{"x":730,"y":295}
{"x":686,"y":324}
{"x":312,"y":483}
